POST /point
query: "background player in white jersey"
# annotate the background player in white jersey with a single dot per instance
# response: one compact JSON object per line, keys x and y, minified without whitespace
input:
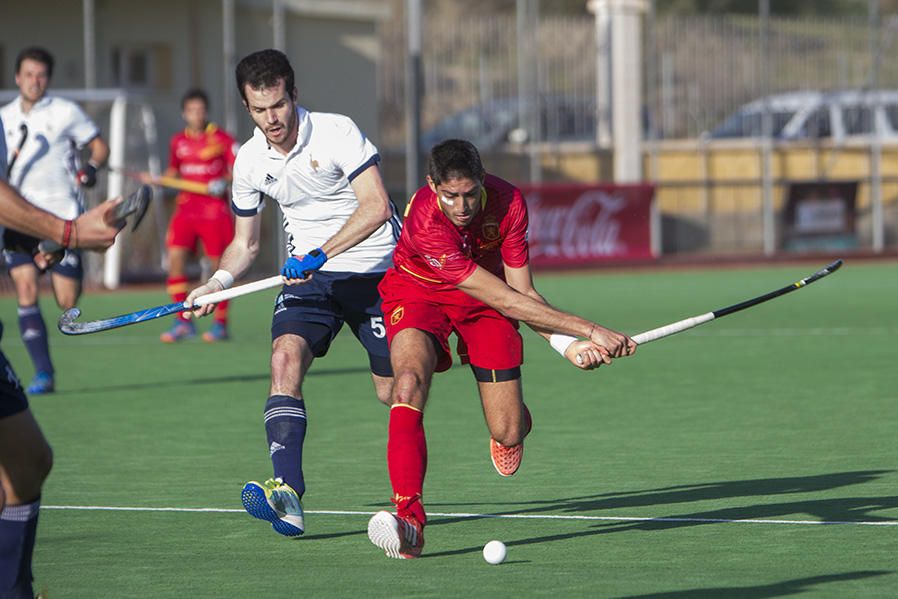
{"x":43,"y":134}
{"x":341,"y":226}
{"x":25,"y":455}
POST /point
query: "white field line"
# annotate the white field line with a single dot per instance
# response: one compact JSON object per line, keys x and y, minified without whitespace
{"x":474,"y":516}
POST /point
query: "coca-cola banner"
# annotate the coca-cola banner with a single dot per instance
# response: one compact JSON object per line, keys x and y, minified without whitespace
{"x":579,"y":225}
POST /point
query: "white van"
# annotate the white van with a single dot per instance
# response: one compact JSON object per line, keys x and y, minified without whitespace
{"x":817,"y":115}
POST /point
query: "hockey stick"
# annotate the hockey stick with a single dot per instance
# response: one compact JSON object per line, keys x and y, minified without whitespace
{"x":15,"y":155}
{"x":175,"y":183}
{"x":688,"y":323}
{"x":68,"y":325}
{"x":135,"y":204}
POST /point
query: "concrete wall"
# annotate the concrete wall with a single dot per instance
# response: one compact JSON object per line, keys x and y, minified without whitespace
{"x":335,"y":58}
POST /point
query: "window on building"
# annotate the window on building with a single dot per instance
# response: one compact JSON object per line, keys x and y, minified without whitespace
{"x":142,"y":67}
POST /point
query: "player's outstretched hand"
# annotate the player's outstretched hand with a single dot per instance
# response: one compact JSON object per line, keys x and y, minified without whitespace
{"x":298,"y":269}
{"x":585,"y":355}
{"x":96,"y":229}
{"x":617,"y":344}
{"x":211,"y":286}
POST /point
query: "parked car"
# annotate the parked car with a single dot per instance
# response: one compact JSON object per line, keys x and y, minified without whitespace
{"x":816,"y":115}
{"x":497,"y":121}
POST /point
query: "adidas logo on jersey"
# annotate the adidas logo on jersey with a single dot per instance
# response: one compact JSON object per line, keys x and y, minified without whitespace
{"x":275,"y":447}
{"x":269,"y":180}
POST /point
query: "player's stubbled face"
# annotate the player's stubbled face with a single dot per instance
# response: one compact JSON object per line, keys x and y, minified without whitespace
{"x":459,"y":199}
{"x":274,"y":112}
{"x":32,"y":79}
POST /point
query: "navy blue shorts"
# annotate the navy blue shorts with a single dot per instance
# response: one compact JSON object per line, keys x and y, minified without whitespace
{"x":12,"y":397}
{"x":19,"y":249}
{"x":317,"y":310}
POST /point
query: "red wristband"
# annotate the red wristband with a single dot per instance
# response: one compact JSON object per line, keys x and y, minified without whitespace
{"x":67,"y":233}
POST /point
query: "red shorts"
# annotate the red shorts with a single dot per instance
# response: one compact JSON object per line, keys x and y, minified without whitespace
{"x":207,"y":220}
{"x":486,"y":339}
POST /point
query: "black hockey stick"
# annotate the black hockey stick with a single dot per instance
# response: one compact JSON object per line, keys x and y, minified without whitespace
{"x":15,"y":155}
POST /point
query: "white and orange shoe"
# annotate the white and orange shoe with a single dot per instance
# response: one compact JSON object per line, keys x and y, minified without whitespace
{"x":507,"y":459}
{"x":400,"y":538}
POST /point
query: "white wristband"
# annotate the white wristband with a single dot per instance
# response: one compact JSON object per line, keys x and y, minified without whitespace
{"x":224,"y":278}
{"x":560,"y":343}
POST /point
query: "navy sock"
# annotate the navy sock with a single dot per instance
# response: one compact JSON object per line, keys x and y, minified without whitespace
{"x":285,"y":425}
{"x":18,"y":527}
{"x":34,"y":334}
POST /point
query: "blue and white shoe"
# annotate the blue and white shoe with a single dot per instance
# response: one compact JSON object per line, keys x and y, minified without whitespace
{"x":274,"y":501}
{"x":41,"y":383}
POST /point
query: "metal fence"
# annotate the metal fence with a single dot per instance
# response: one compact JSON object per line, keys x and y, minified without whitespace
{"x":480,"y":82}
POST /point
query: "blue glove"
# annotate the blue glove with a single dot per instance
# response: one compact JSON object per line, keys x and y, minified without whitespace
{"x":300,"y":268}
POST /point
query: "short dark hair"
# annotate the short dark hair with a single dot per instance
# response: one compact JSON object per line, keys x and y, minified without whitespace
{"x":38,"y":54}
{"x":454,"y":159}
{"x":194,"y":93}
{"x":263,"y":69}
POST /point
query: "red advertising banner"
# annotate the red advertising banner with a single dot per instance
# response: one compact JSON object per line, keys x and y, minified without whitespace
{"x":580,"y":225}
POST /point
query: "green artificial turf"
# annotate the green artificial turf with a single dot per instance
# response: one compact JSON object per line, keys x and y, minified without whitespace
{"x":631,"y":480}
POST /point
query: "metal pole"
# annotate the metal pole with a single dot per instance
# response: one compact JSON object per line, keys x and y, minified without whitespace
{"x":603,"y":73}
{"x":227,"y":37}
{"x":876,"y":207}
{"x":278,"y":24}
{"x":767,"y":221}
{"x":279,"y":37}
{"x":413,"y":90}
{"x":90,"y":44}
{"x":536,"y":134}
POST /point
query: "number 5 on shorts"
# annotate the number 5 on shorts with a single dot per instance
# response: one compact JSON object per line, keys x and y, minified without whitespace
{"x":377,"y":327}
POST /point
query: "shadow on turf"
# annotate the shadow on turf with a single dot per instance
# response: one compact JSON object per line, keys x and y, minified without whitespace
{"x":779,"y":589}
{"x":845,"y":509}
{"x":241,"y":378}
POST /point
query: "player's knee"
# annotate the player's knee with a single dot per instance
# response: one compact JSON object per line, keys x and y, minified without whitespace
{"x":385,"y":396}
{"x":67,"y":302}
{"x":408,"y":387}
{"x":282,"y":362}
{"x":507,"y":435}
{"x":507,"y":432}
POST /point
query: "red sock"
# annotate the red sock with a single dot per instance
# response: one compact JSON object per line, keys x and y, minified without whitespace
{"x":177,"y":289}
{"x":221,"y":312}
{"x":407,"y":460}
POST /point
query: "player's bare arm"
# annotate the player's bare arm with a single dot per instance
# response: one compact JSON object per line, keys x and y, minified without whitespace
{"x":235,"y":260}
{"x":94,"y":230}
{"x":583,"y":354}
{"x":99,"y":151}
{"x":373,"y":211}
{"x":491,"y":290}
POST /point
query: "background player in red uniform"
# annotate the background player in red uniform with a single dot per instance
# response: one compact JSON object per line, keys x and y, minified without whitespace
{"x":462,"y":266}
{"x":205,"y":154}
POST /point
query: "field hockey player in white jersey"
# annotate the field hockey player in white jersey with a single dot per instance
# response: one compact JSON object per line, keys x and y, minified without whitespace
{"x":43,"y":134}
{"x":341,"y":230}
